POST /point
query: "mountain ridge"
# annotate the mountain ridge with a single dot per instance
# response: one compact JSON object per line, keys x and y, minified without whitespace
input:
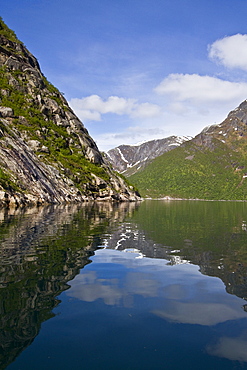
{"x":212,"y":165}
{"x":129,"y":159}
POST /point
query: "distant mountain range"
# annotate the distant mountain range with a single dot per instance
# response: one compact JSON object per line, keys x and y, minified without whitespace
{"x":212,"y":165}
{"x":128,"y":159}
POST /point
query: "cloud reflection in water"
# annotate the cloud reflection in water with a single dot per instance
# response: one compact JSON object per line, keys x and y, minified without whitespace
{"x":177,"y":293}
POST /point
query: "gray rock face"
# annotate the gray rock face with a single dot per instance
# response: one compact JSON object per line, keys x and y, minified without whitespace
{"x":128,"y":159}
{"x":6,"y":112}
{"x":232,"y":131}
{"x":46,"y":153}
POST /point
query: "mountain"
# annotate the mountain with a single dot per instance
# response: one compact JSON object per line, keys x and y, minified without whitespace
{"x":128,"y":159}
{"x":46,"y":154}
{"x":212,"y":165}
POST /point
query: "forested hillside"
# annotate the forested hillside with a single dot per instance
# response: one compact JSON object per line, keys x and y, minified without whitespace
{"x":213,"y":165}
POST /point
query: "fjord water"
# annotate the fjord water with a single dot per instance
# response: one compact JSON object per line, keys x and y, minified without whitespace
{"x":150,"y":285}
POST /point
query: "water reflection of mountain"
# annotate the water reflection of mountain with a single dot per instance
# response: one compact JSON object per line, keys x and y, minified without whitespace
{"x":232,"y":273}
{"x":211,"y":235}
{"x":41,"y":250}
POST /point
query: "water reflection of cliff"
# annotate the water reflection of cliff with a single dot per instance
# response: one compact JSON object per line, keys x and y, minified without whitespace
{"x":40,"y":251}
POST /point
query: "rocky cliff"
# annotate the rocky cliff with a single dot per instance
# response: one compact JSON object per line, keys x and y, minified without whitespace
{"x":232,"y":131}
{"x":46,"y":154}
{"x":128,"y":159}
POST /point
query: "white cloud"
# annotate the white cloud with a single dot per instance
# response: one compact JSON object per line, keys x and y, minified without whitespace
{"x":88,"y":115}
{"x":231,"y":51}
{"x":92,"y":107}
{"x":200,"y":90}
{"x":129,"y":136}
{"x":183,"y":104}
{"x":88,"y":287}
{"x":189,"y":103}
{"x":205,"y":314}
{"x":146,"y":110}
{"x":231,"y":348}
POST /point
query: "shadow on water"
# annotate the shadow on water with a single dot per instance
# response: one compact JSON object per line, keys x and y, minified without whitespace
{"x":41,"y":250}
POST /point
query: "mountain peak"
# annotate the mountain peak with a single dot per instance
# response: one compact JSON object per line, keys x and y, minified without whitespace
{"x":212,"y":165}
{"x":232,"y":131}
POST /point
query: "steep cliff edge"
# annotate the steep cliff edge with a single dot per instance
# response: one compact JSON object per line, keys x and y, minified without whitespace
{"x":46,"y":154}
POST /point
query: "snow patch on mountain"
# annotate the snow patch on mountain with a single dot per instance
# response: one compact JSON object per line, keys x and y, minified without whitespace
{"x":128,"y":159}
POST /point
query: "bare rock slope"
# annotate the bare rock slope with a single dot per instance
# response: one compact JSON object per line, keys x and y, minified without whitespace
{"x":46,"y":153}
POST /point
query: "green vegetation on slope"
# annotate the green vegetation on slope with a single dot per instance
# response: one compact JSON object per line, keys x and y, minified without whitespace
{"x":22,"y":91}
{"x":193,"y":172}
{"x":7,"y":32}
{"x":31,"y":122}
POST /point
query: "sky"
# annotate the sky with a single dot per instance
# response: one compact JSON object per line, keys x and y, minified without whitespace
{"x":138,"y":70}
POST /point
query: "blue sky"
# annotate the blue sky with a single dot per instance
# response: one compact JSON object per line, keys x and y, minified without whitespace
{"x":142,"y":69}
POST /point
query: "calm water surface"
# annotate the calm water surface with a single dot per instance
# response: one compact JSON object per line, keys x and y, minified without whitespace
{"x":155,"y":285}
